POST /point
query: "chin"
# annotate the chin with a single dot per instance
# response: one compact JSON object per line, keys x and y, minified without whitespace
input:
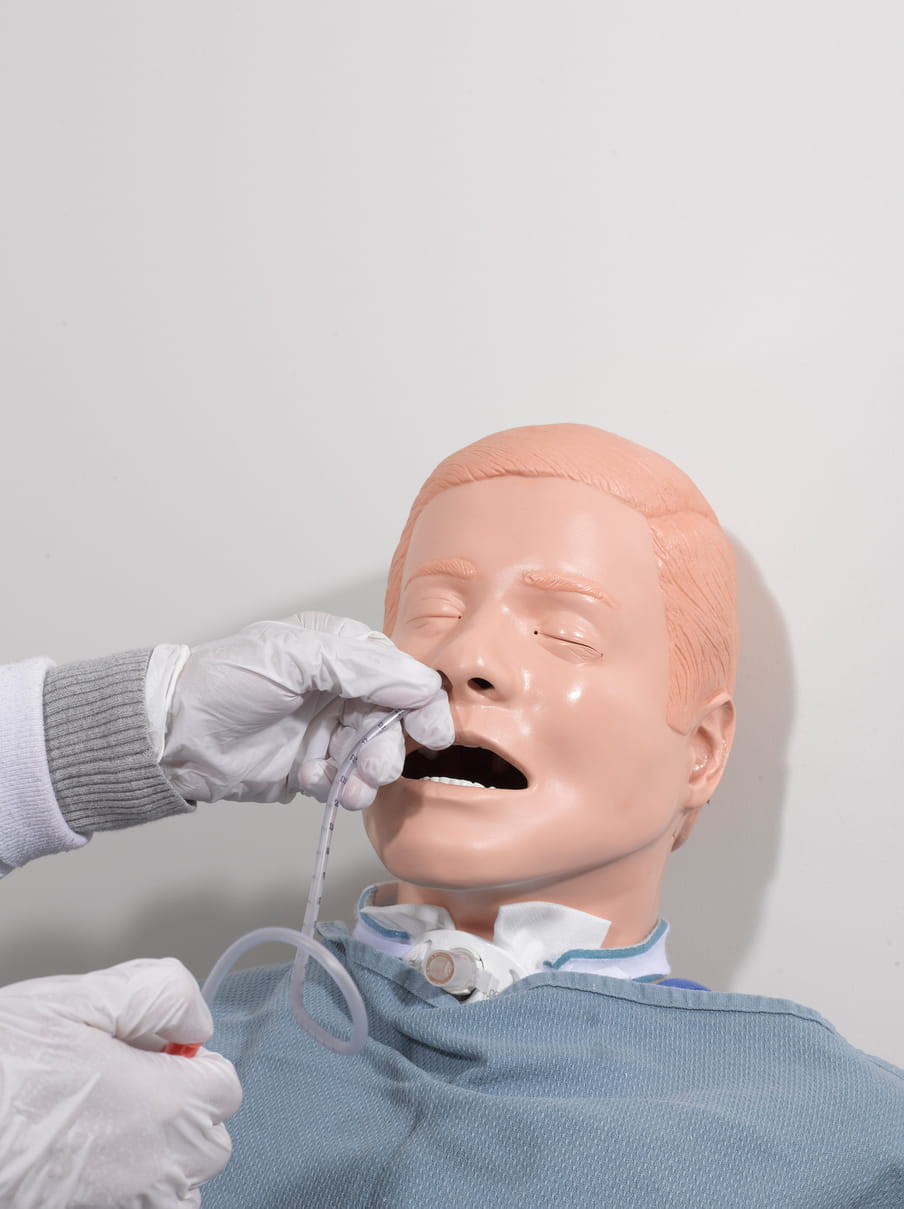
{"x":439,"y":862}
{"x":447,"y":836}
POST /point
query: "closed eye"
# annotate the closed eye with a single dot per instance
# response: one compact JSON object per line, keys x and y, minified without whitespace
{"x":425,"y":619}
{"x":582,"y":649}
{"x":424,"y":608}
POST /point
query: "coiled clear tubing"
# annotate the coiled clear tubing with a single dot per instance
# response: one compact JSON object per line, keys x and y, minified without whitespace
{"x":304,"y":943}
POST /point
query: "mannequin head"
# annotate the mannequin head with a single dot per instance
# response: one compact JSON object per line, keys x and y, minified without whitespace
{"x":577,"y":595}
{"x":696,"y":563}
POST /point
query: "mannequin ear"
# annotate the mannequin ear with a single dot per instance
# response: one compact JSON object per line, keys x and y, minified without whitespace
{"x":709,"y":743}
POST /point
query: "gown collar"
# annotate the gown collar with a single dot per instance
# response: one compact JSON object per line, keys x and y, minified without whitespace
{"x":527,"y":937}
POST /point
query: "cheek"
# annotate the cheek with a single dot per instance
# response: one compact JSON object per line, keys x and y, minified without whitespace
{"x":425,"y":643}
{"x":419,"y":646}
{"x":607,"y":723}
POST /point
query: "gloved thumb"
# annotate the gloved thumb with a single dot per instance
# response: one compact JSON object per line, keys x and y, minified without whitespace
{"x":134,"y":1001}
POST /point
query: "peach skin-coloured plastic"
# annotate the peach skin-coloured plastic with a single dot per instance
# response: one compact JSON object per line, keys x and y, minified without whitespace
{"x":593,"y":719}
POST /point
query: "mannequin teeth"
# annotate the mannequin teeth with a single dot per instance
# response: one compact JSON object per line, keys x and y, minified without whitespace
{"x":453,"y":781}
{"x":488,"y":769}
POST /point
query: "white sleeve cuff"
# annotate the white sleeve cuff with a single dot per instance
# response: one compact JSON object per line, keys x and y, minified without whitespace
{"x":31,"y":823}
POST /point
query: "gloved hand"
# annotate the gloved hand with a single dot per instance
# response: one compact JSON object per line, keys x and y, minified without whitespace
{"x":87,"y":1118}
{"x":275,"y":709}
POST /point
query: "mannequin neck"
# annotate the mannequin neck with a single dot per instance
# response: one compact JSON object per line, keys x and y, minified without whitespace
{"x":620,"y":893}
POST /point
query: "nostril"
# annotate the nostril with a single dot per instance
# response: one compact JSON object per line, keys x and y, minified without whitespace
{"x":479,"y":682}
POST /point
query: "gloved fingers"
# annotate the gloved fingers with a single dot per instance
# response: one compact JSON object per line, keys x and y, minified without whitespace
{"x":122,"y":1126}
{"x":209,"y":1157}
{"x":357,"y":794}
{"x":134,"y":999}
{"x":225,"y":1095}
{"x":431,"y":725}
{"x":316,"y":780}
{"x":381,"y":759}
{"x":315,"y":771}
{"x":159,"y":996}
{"x":331,"y":735}
{"x":207,"y":1079}
{"x":344,"y":658}
{"x":314,"y":777}
{"x":244,"y":682}
{"x":379,"y":762}
{"x":317,"y":742}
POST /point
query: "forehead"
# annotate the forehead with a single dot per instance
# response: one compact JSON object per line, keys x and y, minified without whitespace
{"x":546,"y":524}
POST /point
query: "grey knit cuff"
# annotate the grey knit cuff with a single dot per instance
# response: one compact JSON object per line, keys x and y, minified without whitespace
{"x":98,"y":745}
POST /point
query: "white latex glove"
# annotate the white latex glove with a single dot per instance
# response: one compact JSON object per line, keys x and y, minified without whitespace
{"x":274,"y":709}
{"x":88,"y":1116}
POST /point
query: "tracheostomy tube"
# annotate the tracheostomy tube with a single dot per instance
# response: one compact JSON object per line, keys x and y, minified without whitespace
{"x":303,"y":941}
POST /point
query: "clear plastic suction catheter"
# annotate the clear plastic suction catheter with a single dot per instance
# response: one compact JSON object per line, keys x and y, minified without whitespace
{"x":305,"y":944}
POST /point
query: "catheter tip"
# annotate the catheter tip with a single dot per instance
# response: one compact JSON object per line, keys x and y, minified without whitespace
{"x":183,"y":1051}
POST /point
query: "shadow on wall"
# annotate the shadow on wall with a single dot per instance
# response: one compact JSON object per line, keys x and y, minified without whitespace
{"x":715,"y":885}
{"x":363,"y":601}
{"x":195,"y":926}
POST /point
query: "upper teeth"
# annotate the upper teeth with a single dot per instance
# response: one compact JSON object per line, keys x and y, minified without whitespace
{"x":452,"y":781}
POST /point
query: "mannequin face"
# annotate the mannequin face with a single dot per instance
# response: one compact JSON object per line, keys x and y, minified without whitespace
{"x":539,"y":602}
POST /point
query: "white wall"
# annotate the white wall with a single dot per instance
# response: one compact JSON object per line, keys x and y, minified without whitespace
{"x":263,"y":264}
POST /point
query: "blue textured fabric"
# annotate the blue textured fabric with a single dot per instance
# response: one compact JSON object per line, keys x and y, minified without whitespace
{"x":567,"y":1089}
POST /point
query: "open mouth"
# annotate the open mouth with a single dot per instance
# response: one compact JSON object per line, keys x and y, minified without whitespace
{"x":459,"y":765}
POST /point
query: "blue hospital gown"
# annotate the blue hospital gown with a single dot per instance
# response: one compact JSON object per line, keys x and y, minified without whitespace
{"x":568,"y":1089}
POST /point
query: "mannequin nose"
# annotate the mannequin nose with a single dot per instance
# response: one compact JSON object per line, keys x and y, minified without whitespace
{"x":479,"y":664}
{"x":478,"y":684}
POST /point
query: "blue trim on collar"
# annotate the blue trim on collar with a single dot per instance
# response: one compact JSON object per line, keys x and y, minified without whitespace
{"x":389,"y":933}
{"x":610,"y":954}
{"x":687,"y":983}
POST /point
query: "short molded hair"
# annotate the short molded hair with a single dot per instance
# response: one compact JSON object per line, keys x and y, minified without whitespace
{"x":695,"y":559}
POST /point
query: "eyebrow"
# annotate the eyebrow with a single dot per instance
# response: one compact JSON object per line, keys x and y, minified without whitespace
{"x":454,"y":568}
{"x":554,"y":581}
{"x":544,"y":581}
